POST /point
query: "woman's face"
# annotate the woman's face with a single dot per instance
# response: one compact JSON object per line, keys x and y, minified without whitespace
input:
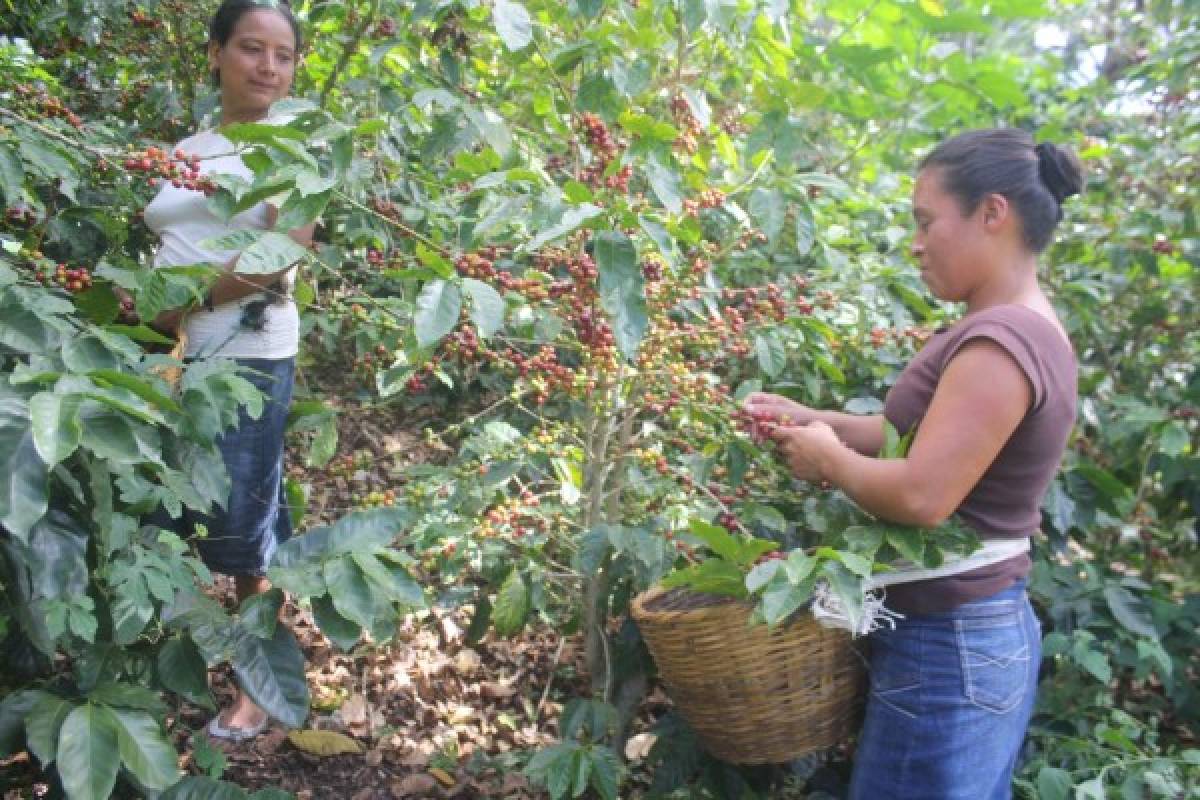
{"x":947,"y":244}
{"x":256,"y":65}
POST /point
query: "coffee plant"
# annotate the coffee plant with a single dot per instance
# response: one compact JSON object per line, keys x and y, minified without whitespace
{"x":578,"y":233}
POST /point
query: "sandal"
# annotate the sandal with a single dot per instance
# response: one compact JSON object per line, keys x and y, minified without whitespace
{"x":218,"y":731}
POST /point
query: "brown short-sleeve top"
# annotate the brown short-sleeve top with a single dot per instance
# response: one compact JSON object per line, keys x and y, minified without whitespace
{"x":1006,"y":502}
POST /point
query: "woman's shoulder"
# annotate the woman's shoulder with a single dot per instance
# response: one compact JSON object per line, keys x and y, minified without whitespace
{"x":1021,"y":320}
{"x":202,"y":141}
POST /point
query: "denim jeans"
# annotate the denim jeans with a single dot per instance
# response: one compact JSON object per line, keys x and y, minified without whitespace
{"x":951,"y":696}
{"x":243,"y":536}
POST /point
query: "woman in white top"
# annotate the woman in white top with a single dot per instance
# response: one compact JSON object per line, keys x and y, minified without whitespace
{"x":252,"y":51}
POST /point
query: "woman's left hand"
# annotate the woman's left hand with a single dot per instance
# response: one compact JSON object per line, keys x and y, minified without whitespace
{"x":806,"y":449}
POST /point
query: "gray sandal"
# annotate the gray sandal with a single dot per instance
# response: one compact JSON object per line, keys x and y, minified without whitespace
{"x":218,"y":731}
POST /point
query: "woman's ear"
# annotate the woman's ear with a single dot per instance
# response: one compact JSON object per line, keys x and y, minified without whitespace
{"x":995,"y":211}
{"x":214,"y":50}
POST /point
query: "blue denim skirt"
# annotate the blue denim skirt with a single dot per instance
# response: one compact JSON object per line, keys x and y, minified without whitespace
{"x":242,"y":537}
{"x":950,"y":700}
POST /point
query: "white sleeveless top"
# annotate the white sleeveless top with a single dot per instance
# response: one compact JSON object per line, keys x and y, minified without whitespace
{"x":182,"y":220}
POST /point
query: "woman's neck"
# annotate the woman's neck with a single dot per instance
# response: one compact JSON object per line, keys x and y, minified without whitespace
{"x":1016,"y":285}
{"x":237,"y":116}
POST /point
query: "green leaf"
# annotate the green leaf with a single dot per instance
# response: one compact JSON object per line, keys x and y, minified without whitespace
{"x":761,"y":574}
{"x":88,"y":754}
{"x":1096,"y":663}
{"x":769,"y":212}
{"x":513,"y":24}
{"x":622,"y":289}
{"x":555,"y":767}
{"x":196,"y":787}
{"x":772,"y":357}
{"x":181,"y":669}
{"x":511,"y":606}
{"x":571,"y":220}
{"x":300,"y":210}
{"x":714,"y":576}
{"x":1130,"y":611}
{"x":606,"y":771}
{"x":1054,"y":784}
{"x":342,"y":632}
{"x":324,"y":444}
{"x":715,"y":538}
{"x":848,"y":589}
{"x":352,"y":595}
{"x":259,"y":613}
{"x":806,"y":229}
{"x":909,"y":542}
{"x":666,"y":185}
{"x":14,"y":710}
{"x":145,"y":749}
{"x":272,"y":672}
{"x":261,"y":252}
{"x":23,"y":475}
{"x":783,"y":597}
{"x":438,"y":308}
{"x":54,"y":420}
{"x":12,"y":174}
{"x":43,"y":724}
{"x":487,"y":306}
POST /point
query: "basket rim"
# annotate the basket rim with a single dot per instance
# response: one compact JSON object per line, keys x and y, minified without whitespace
{"x":640,"y":613}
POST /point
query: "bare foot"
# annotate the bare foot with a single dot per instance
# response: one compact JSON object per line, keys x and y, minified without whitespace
{"x":243,"y":714}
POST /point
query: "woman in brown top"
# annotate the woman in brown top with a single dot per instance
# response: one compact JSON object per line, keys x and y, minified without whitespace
{"x":993,"y":401}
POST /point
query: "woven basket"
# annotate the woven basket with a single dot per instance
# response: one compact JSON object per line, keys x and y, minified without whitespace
{"x":754,"y":695}
{"x":173,"y":372}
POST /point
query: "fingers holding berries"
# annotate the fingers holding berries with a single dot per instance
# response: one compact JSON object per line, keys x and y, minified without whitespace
{"x":805,"y":448}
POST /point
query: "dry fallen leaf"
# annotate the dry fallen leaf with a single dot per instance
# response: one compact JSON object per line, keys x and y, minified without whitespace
{"x":466,"y":661}
{"x":324,"y":743}
{"x":495,"y":690}
{"x":444,"y":778}
{"x":418,"y":785}
{"x":638,"y":747}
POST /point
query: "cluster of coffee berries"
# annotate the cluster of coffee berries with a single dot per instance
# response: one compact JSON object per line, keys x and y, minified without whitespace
{"x":141,"y":19}
{"x":690,"y":128}
{"x":20,"y":215}
{"x":604,"y":152}
{"x":376,"y":498}
{"x":348,"y":463}
{"x":366,"y":364}
{"x":46,"y":106}
{"x":652,"y":268}
{"x":1162,"y":245}
{"x":709,"y":198}
{"x":475,"y":265}
{"x":516,"y":516}
{"x":881,"y":336}
{"x":181,"y":169}
{"x":74,"y":280}
{"x":385,"y":28}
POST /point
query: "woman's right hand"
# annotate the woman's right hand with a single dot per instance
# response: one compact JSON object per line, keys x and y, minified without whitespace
{"x":773,"y":408}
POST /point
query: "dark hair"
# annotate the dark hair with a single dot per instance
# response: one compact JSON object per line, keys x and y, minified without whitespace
{"x":1034,"y":178}
{"x":220,"y":29}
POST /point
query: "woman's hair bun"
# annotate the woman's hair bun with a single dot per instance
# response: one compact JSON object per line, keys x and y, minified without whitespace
{"x":1059,"y":170}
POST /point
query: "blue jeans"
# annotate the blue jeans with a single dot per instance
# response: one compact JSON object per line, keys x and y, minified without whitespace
{"x":243,"y":536}
{"x":951,"y":696}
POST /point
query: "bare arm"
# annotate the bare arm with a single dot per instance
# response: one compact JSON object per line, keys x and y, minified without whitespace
{"x":862,"y":433}
{"x":981,"y":398}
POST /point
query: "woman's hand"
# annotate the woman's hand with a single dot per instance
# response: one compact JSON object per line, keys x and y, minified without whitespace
{"x":805,"y":448}
{"x":770,"y":410}
{"x":777,"y":408}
